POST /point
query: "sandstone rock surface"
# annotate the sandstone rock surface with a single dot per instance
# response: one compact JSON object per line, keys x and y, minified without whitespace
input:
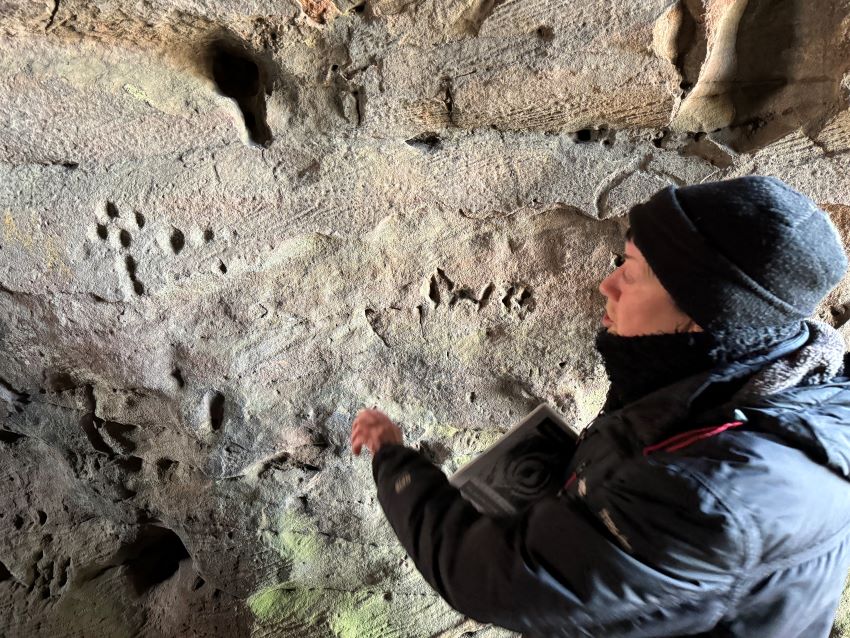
{"x":227,"y":225}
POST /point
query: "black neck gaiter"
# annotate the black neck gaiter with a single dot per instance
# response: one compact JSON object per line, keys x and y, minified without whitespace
{"x":637,"y":366}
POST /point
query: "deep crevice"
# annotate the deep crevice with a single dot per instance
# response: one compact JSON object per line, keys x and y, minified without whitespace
{"x":122,"y":434}
{"x":90,"y":425}
{"x":7,"y":436}
{"x":52,"y":14}
{"x":690,"y":45}
{"x":130,"y":263}
{"x":237,"y":75}
{"x":157,"y":554}
{"x":5,"y":574}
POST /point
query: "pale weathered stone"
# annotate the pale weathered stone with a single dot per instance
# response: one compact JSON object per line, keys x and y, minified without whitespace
{"x":228,"y":225}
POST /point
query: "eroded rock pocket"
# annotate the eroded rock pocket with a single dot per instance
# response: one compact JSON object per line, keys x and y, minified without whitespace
{"x":155,"y":557}
{"x":239,"y":75}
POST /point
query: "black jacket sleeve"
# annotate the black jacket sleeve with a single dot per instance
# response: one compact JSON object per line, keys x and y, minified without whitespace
{"x":636,"y":567}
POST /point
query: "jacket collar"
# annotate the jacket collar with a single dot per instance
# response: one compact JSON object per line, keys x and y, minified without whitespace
{"x":702,"y":399}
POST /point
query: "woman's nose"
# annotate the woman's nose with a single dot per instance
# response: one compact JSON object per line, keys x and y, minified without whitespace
{"x":608,"y":286}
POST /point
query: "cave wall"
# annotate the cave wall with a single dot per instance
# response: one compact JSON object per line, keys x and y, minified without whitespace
{"x":228,"y":225}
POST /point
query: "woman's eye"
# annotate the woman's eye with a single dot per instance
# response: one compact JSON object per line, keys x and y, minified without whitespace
{"x":619,"y":260}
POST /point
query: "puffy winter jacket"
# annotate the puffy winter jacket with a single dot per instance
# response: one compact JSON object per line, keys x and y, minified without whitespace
{"x":687,"y":512}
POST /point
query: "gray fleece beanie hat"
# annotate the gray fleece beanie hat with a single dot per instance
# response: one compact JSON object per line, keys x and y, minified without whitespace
{"x":746,"y":252}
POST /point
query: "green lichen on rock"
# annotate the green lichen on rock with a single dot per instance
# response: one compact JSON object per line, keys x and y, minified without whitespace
{"x":298,"y":605}
{"x":308,"y":611}
{"x":364,"y":615}
{"x":298,"y":537}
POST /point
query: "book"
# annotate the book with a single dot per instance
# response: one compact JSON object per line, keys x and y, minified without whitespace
{"x":527,"y":463}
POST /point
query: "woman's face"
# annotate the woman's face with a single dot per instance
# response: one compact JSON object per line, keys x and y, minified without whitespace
{"x":636,"y":302}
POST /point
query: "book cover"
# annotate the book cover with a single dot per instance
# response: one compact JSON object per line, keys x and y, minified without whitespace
{"x":526,"y":464}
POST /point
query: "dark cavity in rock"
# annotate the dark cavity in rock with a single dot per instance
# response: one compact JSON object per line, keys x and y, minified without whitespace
{"x":427,"y":141}
{"x":157,"y":554}
{"x":237,"y":75}
{"x":178,"y":377}
{"x":178,"y":240}
{"x":216,"y":407}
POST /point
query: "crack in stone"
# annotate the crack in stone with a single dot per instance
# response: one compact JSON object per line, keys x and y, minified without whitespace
{"x":53,"y":14}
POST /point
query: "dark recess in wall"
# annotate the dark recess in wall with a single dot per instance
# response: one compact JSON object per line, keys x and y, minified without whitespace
{"x":158,"y":552}
{"x":216,"y":406}
{"x":238,"y":74}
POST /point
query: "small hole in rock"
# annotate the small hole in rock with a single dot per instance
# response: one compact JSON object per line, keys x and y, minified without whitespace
{"x":164,"y":466}
{"x":427,"y":141}
{"x":584,"y":135}
{"x":222,"y":267}
{"x":124,"y":238}
{"x":216,"y":409}
{"x":111,"y":210}
{"x":209,"y":235}
{"x":178,"y":377}
{"x":178,"y":240}
{"x":140,"y":220}
{"x":102,"y":231}
{"x":42,"y":517}
{"x":545,"y":33}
